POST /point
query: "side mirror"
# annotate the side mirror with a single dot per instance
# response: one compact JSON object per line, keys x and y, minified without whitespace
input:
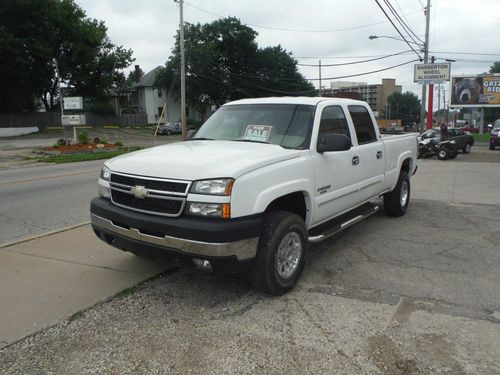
{"x":190,"y":134}
{"x":333,"y":142}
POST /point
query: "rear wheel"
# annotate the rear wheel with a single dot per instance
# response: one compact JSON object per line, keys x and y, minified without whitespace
{"x":396,"y":202}
{"x":281,"y":254}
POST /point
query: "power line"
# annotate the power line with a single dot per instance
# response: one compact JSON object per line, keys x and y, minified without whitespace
{"x":296,"y":30}
{"x":362,"y":74}
{"x":408,"y":29}
{"x":355,"y":62}
{"x":395,"y":27}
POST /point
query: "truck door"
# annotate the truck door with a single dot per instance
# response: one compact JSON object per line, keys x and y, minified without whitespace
{"x":336,"y":175}
{"x":370,"y":152}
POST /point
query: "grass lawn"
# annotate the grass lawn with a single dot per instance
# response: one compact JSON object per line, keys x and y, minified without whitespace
{"x":72,"y":158}
{"x":481,"y":137}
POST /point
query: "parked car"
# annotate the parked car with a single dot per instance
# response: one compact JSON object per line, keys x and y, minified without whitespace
{"x":495,"y":137}
{"x":463,"y":139}
{"x":394,"y":129}
{"x":169,"y":128}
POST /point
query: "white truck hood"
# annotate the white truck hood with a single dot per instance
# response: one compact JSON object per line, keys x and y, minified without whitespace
{"x":196,"y":160}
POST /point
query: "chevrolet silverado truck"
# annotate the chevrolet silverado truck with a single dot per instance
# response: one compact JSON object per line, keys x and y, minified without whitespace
{"x":259,"y":181}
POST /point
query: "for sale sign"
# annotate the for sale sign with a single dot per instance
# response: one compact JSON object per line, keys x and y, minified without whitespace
{"x":432,"y":73}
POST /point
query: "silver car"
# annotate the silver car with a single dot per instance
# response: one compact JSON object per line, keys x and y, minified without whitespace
{"x":169,"y":128}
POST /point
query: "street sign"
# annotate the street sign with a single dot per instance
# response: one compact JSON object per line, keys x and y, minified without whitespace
{"x":74,"y":102}
{"x":73,"y":120}
{"x":427,"y":74}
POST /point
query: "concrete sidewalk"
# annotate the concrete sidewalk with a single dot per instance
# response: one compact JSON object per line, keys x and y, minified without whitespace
{"x":47,"y":279}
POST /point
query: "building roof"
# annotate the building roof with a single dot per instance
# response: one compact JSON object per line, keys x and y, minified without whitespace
{"x":148,"y":79}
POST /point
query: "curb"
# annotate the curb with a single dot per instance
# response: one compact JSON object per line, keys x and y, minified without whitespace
{"x":41,"y":235}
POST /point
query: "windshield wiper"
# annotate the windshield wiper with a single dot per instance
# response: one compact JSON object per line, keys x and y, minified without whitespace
{"x":249,"y":140}
{"x":201,"y":139}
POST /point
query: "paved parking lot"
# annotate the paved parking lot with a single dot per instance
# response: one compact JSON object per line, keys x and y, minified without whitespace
{"x":413,"y":295}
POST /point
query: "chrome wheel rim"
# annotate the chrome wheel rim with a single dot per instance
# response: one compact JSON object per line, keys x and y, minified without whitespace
{"x":467,"y":148}
{"x":442,"y":153}
{"x":288,"y":255}
{"x":403,"y":197}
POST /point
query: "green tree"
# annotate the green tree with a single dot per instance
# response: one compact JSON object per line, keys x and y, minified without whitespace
{"x":495,"y":68}
{"x":404,"y":106}
{"x":35,"y":32}
{"x":223,"y":63}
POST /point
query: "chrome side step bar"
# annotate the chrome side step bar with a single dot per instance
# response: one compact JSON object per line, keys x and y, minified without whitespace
{"x":339,"y":225}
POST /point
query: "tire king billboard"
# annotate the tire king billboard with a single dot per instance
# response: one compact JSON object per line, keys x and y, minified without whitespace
{"x":475,"y":91}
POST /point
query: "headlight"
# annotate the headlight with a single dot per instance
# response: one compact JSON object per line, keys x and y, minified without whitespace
{"x":220,"y":186}
{"x":220,"y":210}
{"x":103,"y":188}
{"x":105,"y":173}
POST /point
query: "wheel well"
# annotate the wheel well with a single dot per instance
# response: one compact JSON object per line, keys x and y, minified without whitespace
{"x":406,"y":166}
{"x":293,"y":202}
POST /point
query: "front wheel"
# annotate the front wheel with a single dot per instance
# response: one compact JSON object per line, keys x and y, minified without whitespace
{"x":442,"y":154}
{"x":467,"y":148}
{"x":281,"y":254}
{"x":396,"y":202}
{"x":169,"y":132}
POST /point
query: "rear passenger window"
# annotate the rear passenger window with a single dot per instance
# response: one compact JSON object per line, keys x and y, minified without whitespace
{"x":333,"y":121}
{"x":363,"y":124}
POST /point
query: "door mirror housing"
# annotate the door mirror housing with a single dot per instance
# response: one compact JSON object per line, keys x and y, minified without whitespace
{"x":190,"y":134}
{"x":333,"y":142}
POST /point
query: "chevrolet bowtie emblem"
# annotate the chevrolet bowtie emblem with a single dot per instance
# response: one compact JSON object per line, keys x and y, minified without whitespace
{"x":139,"y":191}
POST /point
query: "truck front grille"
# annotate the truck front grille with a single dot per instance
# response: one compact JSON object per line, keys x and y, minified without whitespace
{"x":159,"y":197}
{"x":166,"y":186}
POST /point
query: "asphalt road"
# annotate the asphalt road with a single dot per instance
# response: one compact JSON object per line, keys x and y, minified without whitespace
{"x":36,"y":200}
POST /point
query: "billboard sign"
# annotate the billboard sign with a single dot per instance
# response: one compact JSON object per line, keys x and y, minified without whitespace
{"x":426,"y":74}
{"x":475,"y":91}
{"x":73,"y":102}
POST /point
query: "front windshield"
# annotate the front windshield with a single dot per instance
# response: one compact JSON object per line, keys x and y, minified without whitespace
{"x":286,"y":125}
{"x":431,"y":133}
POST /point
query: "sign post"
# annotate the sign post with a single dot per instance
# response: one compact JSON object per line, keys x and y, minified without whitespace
{"x":73,"y":103}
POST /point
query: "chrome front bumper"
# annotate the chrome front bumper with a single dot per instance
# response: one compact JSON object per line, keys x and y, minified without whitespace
{"x":242,"y":250}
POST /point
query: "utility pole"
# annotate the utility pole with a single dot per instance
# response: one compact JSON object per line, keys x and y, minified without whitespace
{"x":183,"y":71}
{"x":430,"y":109}
{"x":60,"y":97}
{"x":426,"y":60}
{"x":319,"y":65}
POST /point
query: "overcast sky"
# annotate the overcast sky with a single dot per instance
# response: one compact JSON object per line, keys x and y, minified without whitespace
{"x":335,"y":31}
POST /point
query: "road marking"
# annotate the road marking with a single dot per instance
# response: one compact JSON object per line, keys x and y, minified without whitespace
{"x":40,"y":235}
{"x":49,"y":177}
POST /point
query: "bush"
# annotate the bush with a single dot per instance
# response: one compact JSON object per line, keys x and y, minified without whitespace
{"x":119,"y":144}
{"x":83,"y":138}
{"x":100,"y":108}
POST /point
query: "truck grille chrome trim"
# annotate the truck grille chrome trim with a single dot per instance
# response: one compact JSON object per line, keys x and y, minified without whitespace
{"x":149,"y":195}
{"x":244,"y":249}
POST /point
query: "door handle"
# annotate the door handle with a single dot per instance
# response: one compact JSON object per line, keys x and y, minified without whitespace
{"x":379,"y":154}
{"x":355,"y":160}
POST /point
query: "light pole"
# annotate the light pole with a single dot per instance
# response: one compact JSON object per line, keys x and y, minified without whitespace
{"x":183,"y":69}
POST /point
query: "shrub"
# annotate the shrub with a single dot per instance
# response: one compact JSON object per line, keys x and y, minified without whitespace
{"x":119,"y":144}
{"x":83,"y":138}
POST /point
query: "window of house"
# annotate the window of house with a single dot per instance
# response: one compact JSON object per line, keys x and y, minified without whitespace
{"x":363,"y":124}
{"x":333,"y":121}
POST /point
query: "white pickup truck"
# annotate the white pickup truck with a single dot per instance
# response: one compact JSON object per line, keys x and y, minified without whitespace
{"x":259,"y":181}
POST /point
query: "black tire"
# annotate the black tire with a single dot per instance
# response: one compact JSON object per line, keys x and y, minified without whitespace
{"x":492,"y":146}
{"x":278,"y":228}
{"x":394,"y":202}
{"x":169,"y":132}
{"x":442,"y":154}
{"x":466,"y":148}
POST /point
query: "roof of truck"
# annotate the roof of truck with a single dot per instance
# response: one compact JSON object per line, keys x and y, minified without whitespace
{"x":306,"y":100}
